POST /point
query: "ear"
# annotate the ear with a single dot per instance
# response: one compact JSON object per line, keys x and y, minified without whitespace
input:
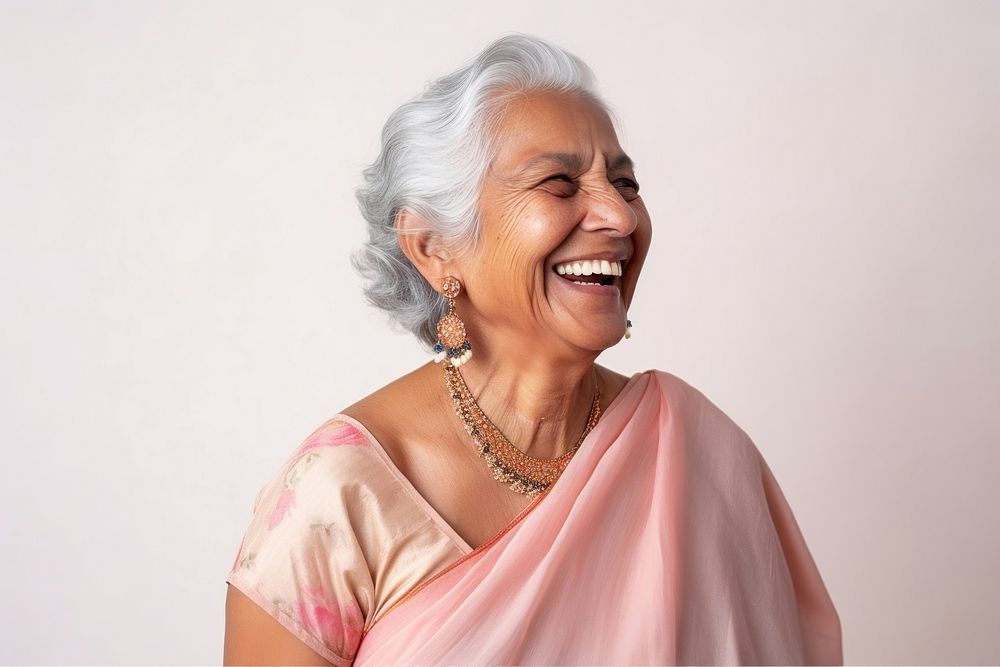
{"x":423,"y":248}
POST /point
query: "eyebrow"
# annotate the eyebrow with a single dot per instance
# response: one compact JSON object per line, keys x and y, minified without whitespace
{"x":574,"y":162}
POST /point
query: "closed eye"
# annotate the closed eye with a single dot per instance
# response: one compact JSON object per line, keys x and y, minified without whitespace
{"x":631,"y":188}
{"x":564,"y":185}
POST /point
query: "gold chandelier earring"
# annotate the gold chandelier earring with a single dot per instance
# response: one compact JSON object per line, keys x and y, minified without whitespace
{"x":452,"y":345}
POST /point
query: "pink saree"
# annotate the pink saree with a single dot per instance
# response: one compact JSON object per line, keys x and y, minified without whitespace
{"x":666,"y":540}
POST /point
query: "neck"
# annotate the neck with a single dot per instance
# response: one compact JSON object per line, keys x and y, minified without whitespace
{"x":541,"y":403}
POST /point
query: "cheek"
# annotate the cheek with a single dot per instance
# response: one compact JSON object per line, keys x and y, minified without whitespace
{"x":529,"y":234}
{"x":512,"y":263}
{"x":643,"y":235}
{"x":641,"y":239}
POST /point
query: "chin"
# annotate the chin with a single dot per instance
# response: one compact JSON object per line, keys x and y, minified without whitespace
{"x":598,"y":341}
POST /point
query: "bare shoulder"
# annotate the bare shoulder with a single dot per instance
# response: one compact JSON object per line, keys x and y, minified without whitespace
{"x":386,"y":396}
{"x":401,"y":410}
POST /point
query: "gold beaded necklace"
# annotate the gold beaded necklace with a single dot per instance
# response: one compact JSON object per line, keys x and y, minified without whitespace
{"x":526,"y":474}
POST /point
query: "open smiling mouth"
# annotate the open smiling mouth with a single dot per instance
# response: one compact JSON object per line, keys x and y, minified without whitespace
{"x":591,"y":272}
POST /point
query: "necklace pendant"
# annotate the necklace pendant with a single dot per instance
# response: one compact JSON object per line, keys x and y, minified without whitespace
{"x":523,"y":473}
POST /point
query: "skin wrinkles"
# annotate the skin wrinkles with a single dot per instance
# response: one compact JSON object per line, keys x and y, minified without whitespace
{"x":512,"y":304}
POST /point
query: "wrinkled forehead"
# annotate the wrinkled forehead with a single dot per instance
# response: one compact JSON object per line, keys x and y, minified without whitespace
{"x":542,"y":128}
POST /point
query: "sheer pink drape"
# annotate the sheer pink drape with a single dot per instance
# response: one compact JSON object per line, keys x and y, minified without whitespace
{"x":667,"y":540}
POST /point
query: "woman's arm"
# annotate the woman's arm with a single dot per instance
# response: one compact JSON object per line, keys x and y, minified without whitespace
{"x":255,"y":638}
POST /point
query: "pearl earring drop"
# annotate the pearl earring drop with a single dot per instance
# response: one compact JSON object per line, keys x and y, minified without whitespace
{"x":452,"y":345}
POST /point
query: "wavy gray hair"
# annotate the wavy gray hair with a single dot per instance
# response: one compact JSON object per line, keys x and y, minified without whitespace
{"x":436,"y":149}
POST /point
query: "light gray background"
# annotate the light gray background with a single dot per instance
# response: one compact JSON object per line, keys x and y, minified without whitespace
{"x":179,"y":312}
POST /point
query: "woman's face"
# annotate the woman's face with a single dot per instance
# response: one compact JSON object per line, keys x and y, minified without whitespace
{"x":560,"y":192}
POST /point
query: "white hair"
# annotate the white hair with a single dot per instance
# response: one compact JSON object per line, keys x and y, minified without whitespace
{"x":436,"y":149}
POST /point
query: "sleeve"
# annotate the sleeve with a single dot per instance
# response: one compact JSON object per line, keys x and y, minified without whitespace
{"x":818,"y":619}
{"x":300,"y":559}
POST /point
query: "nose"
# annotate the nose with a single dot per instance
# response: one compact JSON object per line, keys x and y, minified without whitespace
{"x":608,"y":211}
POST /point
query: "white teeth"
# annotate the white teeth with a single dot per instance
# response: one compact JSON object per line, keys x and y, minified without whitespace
{"x":588,"y":267}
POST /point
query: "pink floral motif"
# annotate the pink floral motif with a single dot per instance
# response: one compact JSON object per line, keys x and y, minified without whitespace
{"x":339,"y":627}
{"x":334,"y":434}
{"x":285,"y":502}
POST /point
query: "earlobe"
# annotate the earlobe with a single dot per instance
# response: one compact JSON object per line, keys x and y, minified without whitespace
{"x":422,"y":246}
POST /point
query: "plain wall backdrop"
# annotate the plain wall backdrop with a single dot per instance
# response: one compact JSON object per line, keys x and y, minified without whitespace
{"x":177,"y":217}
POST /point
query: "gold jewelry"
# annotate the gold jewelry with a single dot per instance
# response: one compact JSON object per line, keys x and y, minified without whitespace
{"x":526,"y":474}
{"x":452,"y":344}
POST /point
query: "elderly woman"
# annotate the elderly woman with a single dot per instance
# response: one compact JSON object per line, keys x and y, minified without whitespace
{"x":511,"y":501}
